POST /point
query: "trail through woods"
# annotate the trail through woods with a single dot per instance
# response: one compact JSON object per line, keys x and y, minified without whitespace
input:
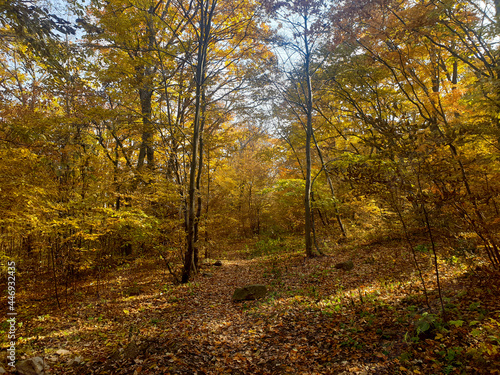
{"x":315,"y":320}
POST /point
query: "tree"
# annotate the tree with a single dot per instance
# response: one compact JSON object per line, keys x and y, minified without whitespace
{"x":206,"y":12}
{"x":225,"y":39}
{"x":410,"y":94}
{"x":305,"y":30}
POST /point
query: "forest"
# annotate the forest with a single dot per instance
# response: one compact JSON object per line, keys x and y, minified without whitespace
{"x":337,"y":161}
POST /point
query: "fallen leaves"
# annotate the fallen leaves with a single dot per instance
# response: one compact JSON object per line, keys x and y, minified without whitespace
{"x":315,"y":320}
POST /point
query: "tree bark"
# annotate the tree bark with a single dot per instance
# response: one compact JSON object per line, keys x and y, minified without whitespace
{"x":309,"y":133}
{"x":146,"y":148}
{"x":145,"y":96}
{"x":206,"y":13}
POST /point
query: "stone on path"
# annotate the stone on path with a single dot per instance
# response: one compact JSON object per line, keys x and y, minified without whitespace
{"x":76,"y":361}
{"x":250,"y":292}
{"x":32,"y":366}
{"x":133,"y":291}
{"x":346,"y":266}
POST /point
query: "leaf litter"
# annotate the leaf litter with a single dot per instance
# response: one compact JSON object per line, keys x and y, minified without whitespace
{"x":315,"y":320}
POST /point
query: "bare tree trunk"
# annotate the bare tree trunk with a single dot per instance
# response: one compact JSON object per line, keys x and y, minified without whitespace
{"x":146,"y":148}
{"x":145,"y":96}
{"x":207,"y":206}
{"x":198,"y":183}
{"x":309,"y":133}
{"x":206,"y":14}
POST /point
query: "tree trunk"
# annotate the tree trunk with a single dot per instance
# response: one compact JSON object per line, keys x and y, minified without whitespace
{"x":309,"y":132}
{"x":198,"y":185}
{"x":145,"y":96}
{"x":190,"y":227}
{"x":146,"y":148}
{"x":206,"y":14}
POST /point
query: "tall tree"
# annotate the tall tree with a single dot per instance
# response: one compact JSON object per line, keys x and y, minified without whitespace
{"x":206,"y":12}
{"x":225,"y":38}
{"x":304,"y":35}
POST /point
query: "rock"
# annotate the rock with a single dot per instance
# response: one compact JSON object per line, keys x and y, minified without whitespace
{"x":76,"y":361}
{"x":32,"y":366}
{"x":207,"y":274}
{"x":133,"y":291}
{"x":346,"y":266}
{"x":250,"y":292}
{"x":62,"y":352}
{"x":2,"y":370}
{"x":218,"y":263}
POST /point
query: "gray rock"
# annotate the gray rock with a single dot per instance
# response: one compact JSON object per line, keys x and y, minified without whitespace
{"x":32,"y":366}
{"x":346,"y":266}
{"x":250,"y":292}
{"x":62,"y":352}
{"x":76,"y":361}
{"x":2,"y":370}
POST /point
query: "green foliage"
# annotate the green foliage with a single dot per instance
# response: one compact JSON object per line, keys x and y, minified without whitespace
{"x":268,"y":246}
{"x":274,"y":272}
{"x":422,"y":248}
{"x":427,"y":324}
{"x":405,"y":356}
{"x":451,"y":357}
{"x":351,"y":342}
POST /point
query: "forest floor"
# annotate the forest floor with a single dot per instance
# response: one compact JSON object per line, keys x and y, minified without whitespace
{"x":316,"y":319}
